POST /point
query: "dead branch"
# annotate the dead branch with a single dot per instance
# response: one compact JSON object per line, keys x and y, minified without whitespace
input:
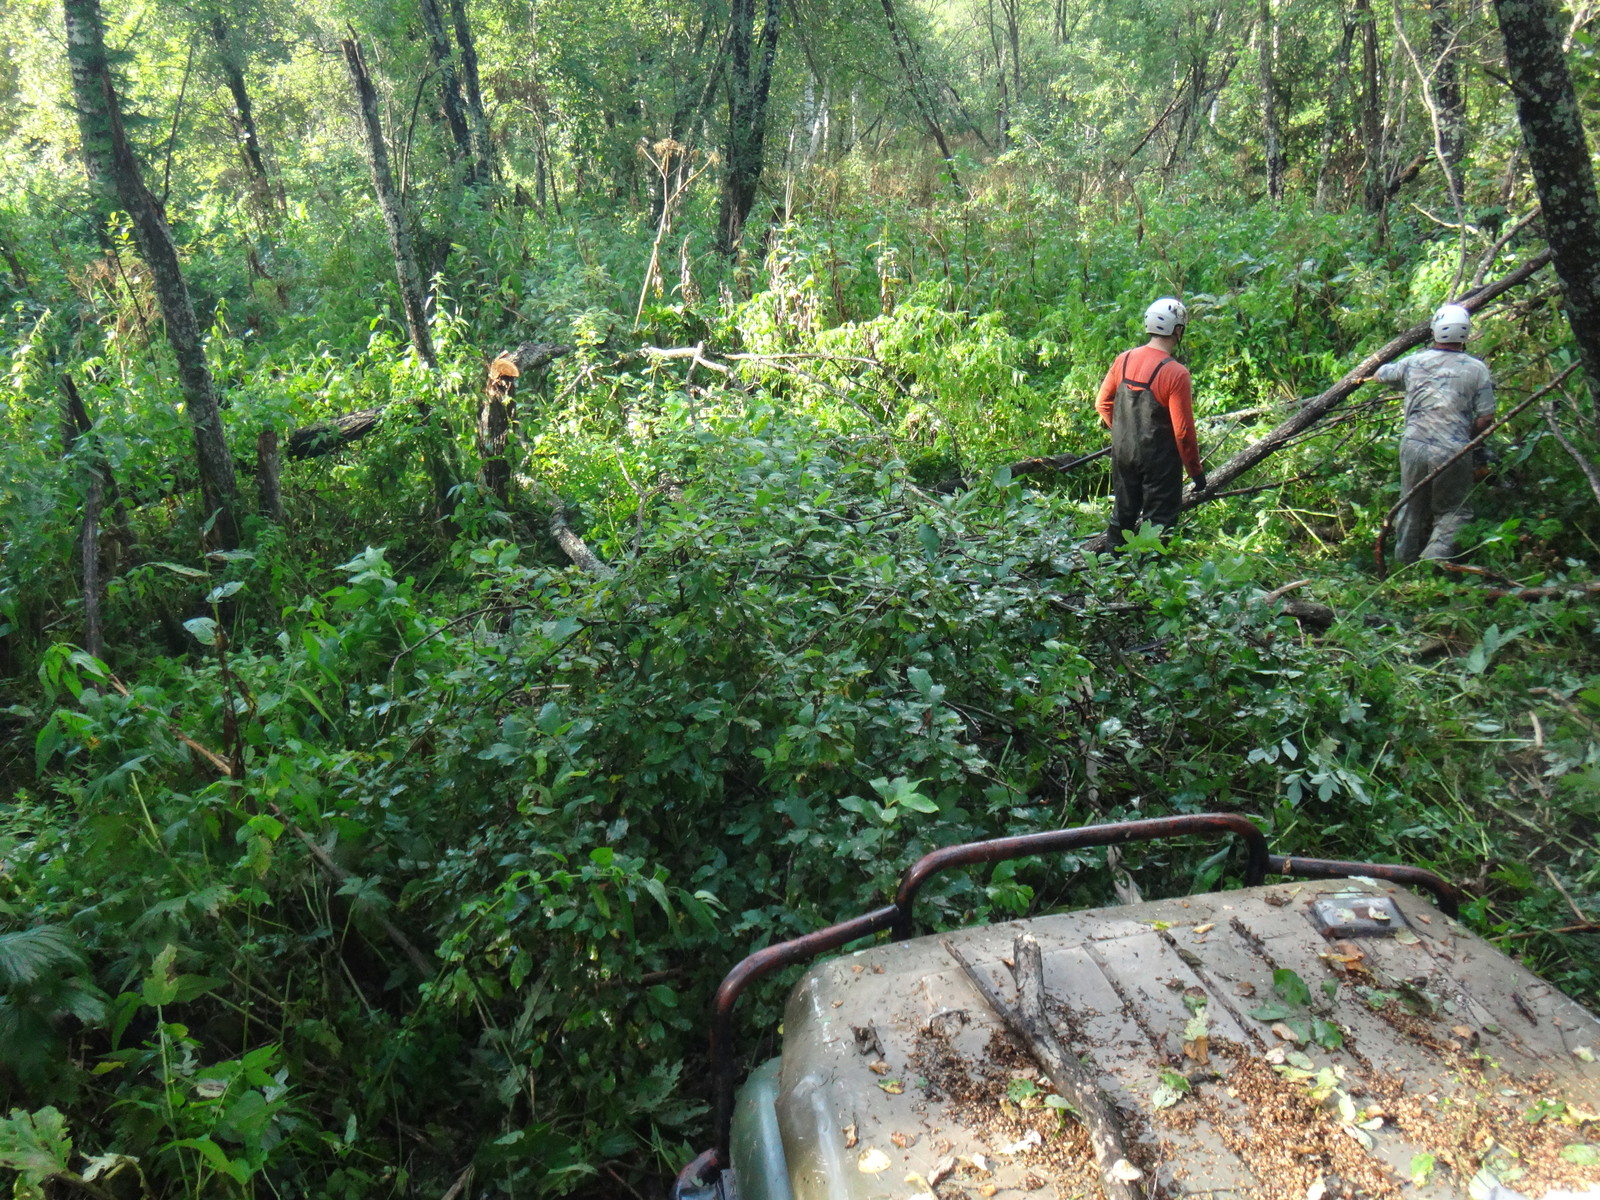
{"x":1590,"y":588}
{"x":1027,"y":1021}
{"x":334,"y":434}
{"x":1388,"y":520}
{"x":1493,"y":252}
{"x":1307,"y":612}
{"x":1585,"y":927}
{"x":1590,"y":471}
{"x":1280,"y":593}
{"x":575,"y":548}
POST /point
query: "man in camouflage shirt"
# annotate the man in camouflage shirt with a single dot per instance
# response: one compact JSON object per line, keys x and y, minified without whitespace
{"x":1449,"y":401}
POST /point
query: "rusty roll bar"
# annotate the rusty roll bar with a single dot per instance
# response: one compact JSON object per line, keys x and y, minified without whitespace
{"x":764,"y":962}
{"x":1448,"y":895}
{"x":1001,"y":849}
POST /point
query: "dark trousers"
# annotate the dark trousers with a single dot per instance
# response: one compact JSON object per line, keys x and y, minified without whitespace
{"x":1146,"y":472}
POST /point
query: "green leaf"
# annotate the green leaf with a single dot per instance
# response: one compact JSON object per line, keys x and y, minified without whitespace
{"x":204,"y":630}
{"x":1326,"y":1034}
{"x":1271,"y":1011}
{"x":235,"y":1169}
{"x":1581,"y":1154}
{"x":51,"y":735}
{"x":36,"y":1145}
{"x":161,"y":985}
{"x":223,"y":590}
{"x":1421,"y":1168}
{"x":30,"y":955}
{"x":1019,"y":1090}
{"x":1290,"y":987}
{"x":180,"y":569}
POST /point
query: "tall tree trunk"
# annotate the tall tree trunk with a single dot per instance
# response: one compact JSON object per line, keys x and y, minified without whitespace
{"x":905,"y":52}
{"x":412,"y":297}
{"x":1002,"y":116}
{"x":1330,"y":120}
{"x":406,"y":270}
{"x":1272,"y":134}
{"x":244,"y":116}
{"x":1374,"y":190}
{"x":269,"y":469}
{"x":110,"y":164}
{"x":477,"y":119}
{"x":1445,"y":51}
{"x":748,"y":85}
{"x":1558,"y":155}
{"x":455,"y":110}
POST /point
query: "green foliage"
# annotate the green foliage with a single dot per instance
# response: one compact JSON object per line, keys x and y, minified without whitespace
{"x":387,"y":808}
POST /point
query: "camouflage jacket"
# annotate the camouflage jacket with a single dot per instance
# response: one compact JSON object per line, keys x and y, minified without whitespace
{"x":1446,"y":391}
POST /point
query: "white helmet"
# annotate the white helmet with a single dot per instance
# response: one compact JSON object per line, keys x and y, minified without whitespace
{"x":1165,"y":317}
{"x":1452,"y":325}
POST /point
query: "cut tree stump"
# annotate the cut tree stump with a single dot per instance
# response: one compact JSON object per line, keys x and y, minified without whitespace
{"x":497,"y":407}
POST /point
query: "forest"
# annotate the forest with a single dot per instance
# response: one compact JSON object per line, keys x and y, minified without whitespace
{"x":507,"y":507}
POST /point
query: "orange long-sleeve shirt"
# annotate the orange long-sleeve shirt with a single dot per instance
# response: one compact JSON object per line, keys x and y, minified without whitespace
{"x":1172,"y":390}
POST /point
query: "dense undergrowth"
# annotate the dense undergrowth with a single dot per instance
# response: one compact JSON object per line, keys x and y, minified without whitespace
{"x":390,"y":847}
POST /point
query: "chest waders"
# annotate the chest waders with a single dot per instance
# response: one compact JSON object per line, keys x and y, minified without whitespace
{"x":1146,"y":471}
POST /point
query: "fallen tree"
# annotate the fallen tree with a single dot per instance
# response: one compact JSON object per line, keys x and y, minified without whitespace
{"x":331,"y":436}
{"x":1314,"y":409}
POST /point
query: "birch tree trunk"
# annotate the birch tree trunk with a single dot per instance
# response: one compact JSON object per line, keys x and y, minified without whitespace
{"x":110,"y":164}
{"x":1272,"y":134}
{"x":391,"y":205}
{"x":1547,"y":108}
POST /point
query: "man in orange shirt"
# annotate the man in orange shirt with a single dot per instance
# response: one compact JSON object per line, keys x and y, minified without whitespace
{"x":1147,"y":403}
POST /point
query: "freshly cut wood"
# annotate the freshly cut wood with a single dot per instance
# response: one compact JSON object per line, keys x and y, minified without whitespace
{"x":330,"y":436}
{"x":1027,"y":1020}
{"x":496,"y":408}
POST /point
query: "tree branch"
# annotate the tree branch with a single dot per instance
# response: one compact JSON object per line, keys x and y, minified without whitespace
{"x":1027,"y":1020}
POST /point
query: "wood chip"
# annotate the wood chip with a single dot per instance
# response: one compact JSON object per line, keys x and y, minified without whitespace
{"x":878,"y":1068}
{"x":850,"y":1137}
{"x":903,"y":1140}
